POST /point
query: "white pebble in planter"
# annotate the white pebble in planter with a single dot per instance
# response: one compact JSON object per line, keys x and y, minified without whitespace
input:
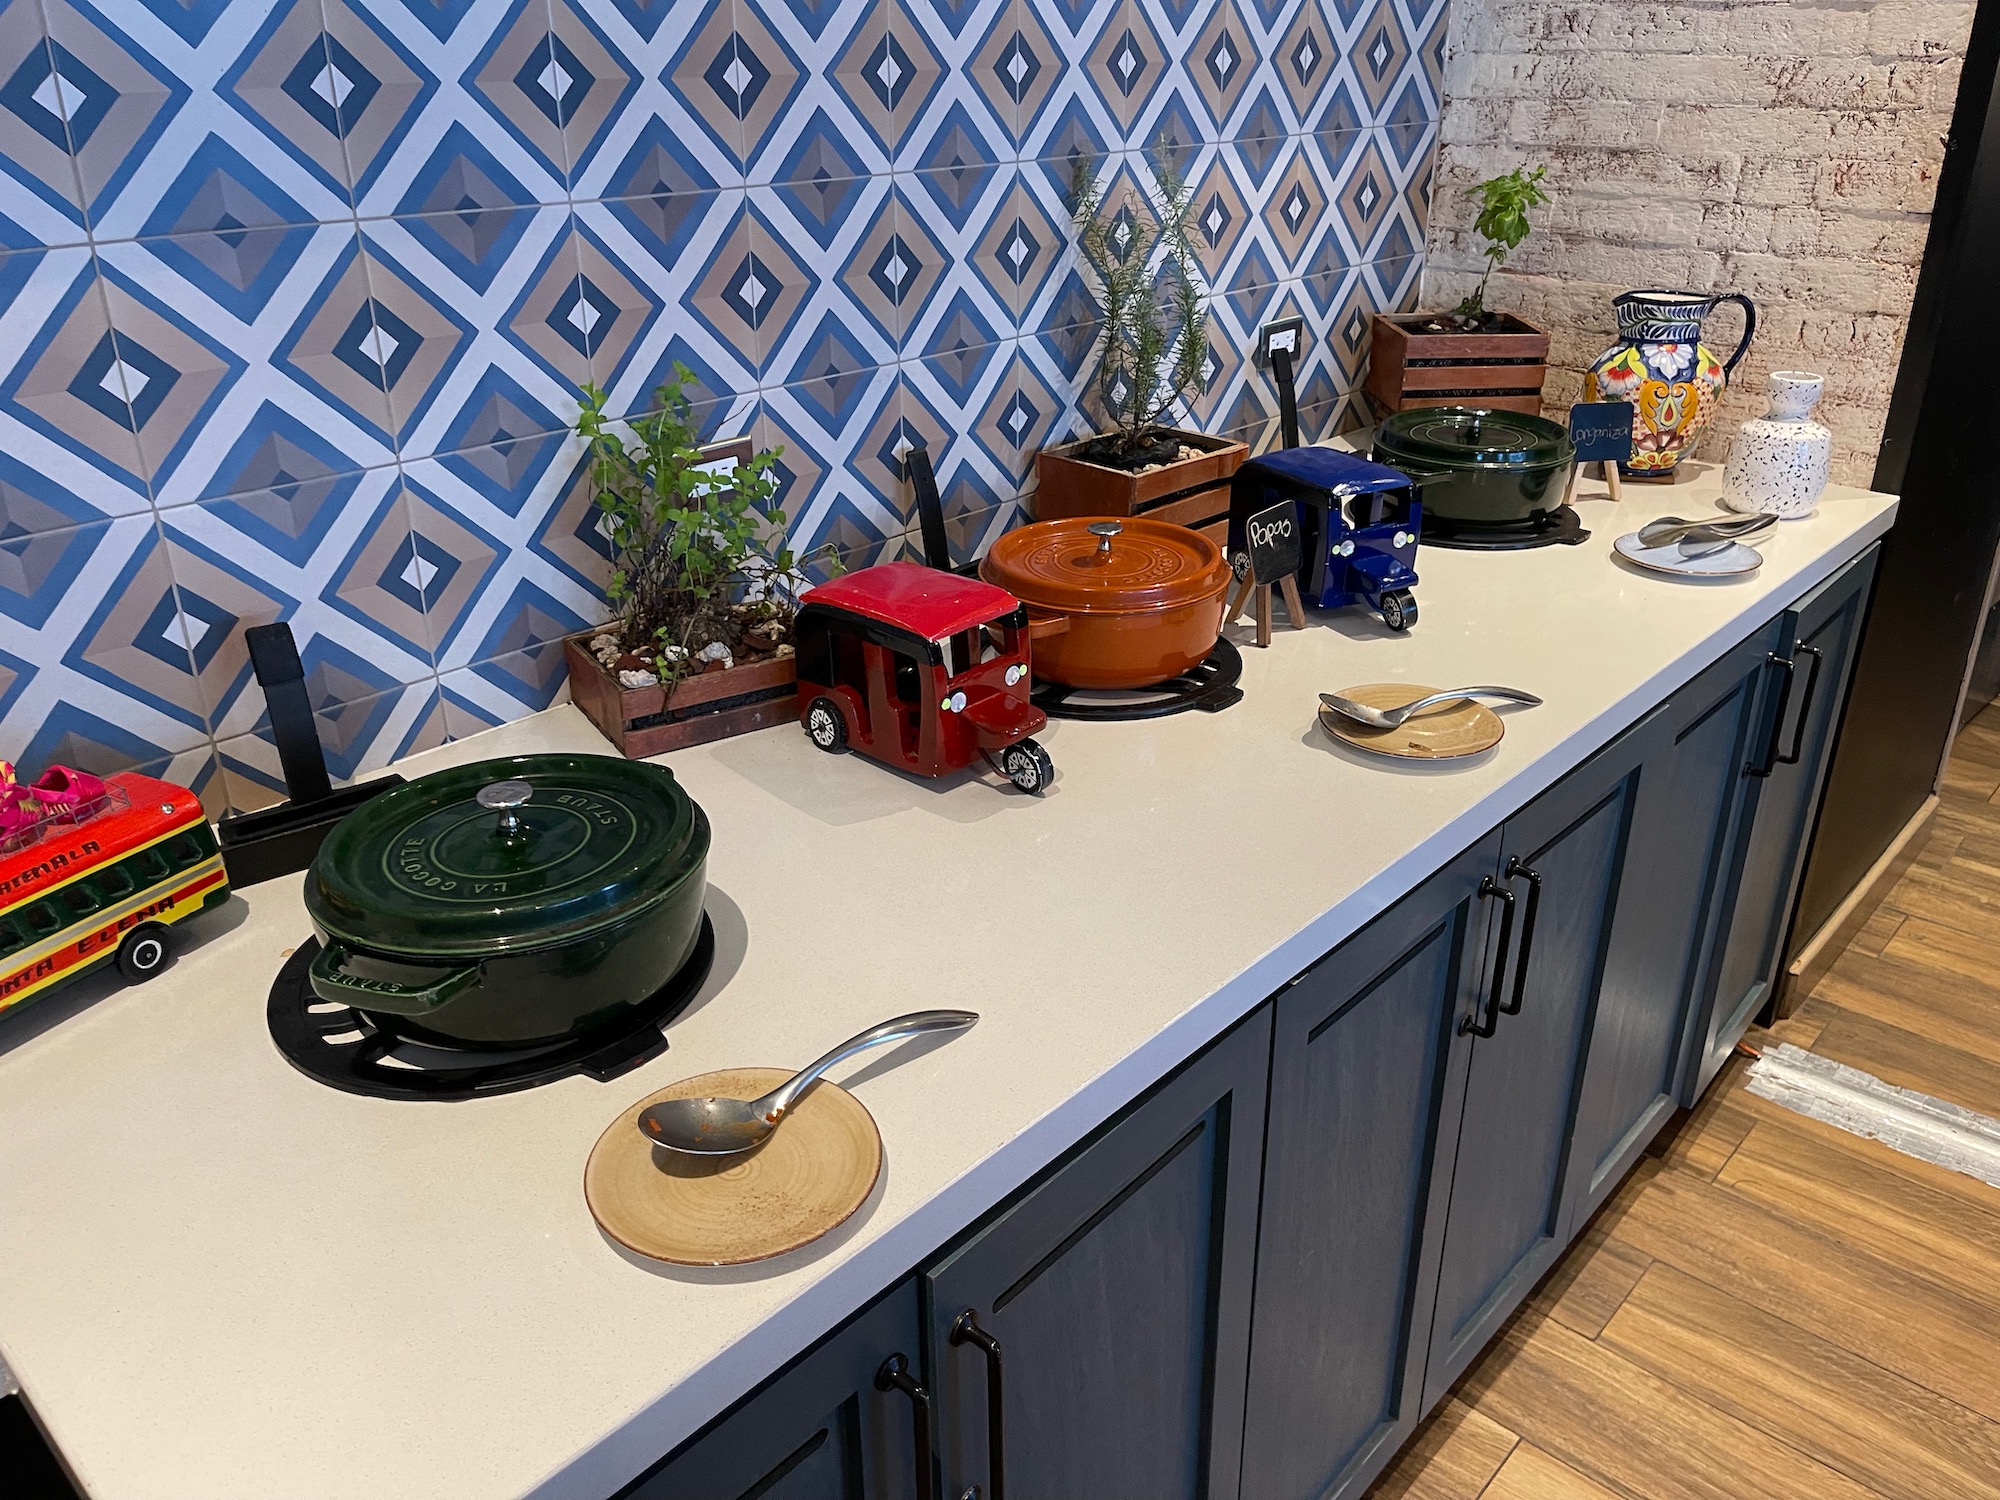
{"x":1780,"y":461}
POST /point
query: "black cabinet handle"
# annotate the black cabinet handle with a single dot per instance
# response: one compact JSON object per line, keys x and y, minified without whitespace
{"x":966,"y":1330}
{"x":1791,"y":757}
{"x":895,"y":1376}
{"x":1789,"y":667}
{"x":1471,"y":1025}
{"x":1515,"y":869}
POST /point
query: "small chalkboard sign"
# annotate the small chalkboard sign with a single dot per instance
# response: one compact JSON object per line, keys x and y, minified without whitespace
{"x":1274,"y":543}
{"x":1273,"y":538}
{"x":1602,"y":431}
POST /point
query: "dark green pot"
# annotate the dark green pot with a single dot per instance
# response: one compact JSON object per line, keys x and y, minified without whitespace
{"x":1479,"y":467}
{"x":529,"y":923}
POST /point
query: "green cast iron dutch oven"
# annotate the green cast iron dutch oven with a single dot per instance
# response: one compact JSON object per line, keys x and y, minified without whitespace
{"x":1481,"y":467}
{"x":510,"y":901}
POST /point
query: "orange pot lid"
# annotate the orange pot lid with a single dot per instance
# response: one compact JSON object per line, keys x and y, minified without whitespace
{"x":1085,"y":565}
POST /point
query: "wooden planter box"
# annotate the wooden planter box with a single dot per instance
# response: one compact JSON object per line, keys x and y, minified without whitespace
{"x":1502,"y":369}
{"x":712,"y":706}
{"x":1191,"y":492}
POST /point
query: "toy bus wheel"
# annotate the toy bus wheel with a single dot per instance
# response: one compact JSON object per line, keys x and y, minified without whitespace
{"x":144,"y":952}
{"x":1028,"y":766}
{"x":1399,"y":609}
{"x":825,"y":727}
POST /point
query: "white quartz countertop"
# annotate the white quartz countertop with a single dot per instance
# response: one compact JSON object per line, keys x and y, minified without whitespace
{"x":221,"y":1279}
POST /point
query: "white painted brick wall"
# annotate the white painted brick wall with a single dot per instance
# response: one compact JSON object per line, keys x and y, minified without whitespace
{"x":1784,"y":148}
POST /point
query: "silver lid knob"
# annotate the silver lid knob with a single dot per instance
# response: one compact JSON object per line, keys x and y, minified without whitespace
{"x":1104,"y":531}
{"x":504,"y":797}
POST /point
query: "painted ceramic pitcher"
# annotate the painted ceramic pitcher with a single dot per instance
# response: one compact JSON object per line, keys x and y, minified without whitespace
{"x":1673,"y":380}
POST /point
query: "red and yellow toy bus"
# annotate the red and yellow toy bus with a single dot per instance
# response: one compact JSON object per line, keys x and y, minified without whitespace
{"x":107,"y":887}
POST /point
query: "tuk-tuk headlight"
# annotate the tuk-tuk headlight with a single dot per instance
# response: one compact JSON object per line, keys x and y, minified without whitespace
{"x":1015,"y":673}
{"x":1347,"y":549}
{"x":955,"y":704}
{"x":1403,"y":539}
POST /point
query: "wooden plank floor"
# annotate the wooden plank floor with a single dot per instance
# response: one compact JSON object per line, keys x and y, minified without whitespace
{"x":1772,"y":1309}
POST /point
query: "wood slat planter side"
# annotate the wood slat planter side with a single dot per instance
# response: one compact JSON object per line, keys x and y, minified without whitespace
{"x":712,"y":706}
{"x":1503,"y":369}
{"x":1192,"y":492}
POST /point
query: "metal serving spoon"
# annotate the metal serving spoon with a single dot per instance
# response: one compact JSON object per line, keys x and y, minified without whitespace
{"x":1390,"y":718}
{"x":1711,"y":529}
{"x":722,"y":1127}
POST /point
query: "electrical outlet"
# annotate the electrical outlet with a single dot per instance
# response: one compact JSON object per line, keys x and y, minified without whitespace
{"x":1288,"y":334}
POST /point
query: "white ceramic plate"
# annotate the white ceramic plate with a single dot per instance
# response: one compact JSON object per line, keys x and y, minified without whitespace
{"x":1729,"y":562}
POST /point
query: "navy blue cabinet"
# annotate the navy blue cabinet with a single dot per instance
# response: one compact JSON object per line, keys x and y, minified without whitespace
{"x":1089,"y":1341}
{"x":1562,"y":876}
{"x":1812,"y":661}
{"x":1362,"y":1100}
{"x":1255,"y":1282}
{"x":1693,"y":797}
{"x":845,"y":1422}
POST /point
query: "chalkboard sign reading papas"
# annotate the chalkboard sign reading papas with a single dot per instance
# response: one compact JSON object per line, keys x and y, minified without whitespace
{"x":1275,"y":544}
{"x":1602,"y":431}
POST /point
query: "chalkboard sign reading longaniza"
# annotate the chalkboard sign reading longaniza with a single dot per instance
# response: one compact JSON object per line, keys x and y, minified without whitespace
{"x":1602,"y":431}
{"x":1274,"y":543}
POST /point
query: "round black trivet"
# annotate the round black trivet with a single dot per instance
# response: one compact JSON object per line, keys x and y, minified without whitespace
{"x":1209,"y":685}
{"x":1559,"y":527}
{"x":362,"y":1053}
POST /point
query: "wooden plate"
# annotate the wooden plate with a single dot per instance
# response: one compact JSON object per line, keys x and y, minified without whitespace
{"x":814,"y":1171}
{"x":1444,"y":733}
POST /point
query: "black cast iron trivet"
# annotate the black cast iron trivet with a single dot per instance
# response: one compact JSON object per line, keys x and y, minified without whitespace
{"x":1560,"y":527}
{"x":362,"y":1053}
{"x":1209,"y":685}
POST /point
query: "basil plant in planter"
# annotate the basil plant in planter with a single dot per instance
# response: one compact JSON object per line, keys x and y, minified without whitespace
{"x":703,"y":588}
{"x":1136,"y":251}
{"x":1492,"y":358}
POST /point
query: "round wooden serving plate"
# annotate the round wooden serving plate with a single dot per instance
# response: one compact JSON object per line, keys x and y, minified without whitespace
{"x":815,"y":1170}
{"x":1444,"y":733}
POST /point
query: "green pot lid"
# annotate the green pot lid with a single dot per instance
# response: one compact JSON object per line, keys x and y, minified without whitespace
{"x":558,"y":847}
{"x":1463,"y":436}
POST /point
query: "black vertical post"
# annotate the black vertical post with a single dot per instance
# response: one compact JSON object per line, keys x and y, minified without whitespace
{"x":274,"y":657}
{"x":1288,"y":397}
{"x":930,"y":508}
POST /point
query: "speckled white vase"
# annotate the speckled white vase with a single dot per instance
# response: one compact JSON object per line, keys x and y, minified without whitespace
{"x":1780,"y":461}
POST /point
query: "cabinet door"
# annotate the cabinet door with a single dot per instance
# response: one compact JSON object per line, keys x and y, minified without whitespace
{"x":1358,"y":1108}
{"x":1691,"y":800}
{"x":1090,"y":1340}
{"x":1564,"y":859}
{"x":1822,"y":630}
{"x":836,"y":1425}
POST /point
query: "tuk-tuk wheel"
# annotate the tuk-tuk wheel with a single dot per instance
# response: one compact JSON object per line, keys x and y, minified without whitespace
{"x":1028,"y":766}
{"x":825,"y":727}
{"x":1399,"y":609}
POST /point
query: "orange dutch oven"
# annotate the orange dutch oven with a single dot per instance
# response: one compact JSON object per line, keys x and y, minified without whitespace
{"x":1113,"y":604}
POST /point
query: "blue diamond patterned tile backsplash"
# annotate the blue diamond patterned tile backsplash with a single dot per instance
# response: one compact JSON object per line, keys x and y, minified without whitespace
{"x":296,"y":295}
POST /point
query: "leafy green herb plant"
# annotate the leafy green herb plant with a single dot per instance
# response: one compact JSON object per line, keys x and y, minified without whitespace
{"x":1138,"y":257}
{"x":692,"y":569}
{"x":1502,"y":223}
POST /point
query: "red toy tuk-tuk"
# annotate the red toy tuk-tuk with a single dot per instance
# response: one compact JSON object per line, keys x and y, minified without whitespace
{"x":922,"y":669}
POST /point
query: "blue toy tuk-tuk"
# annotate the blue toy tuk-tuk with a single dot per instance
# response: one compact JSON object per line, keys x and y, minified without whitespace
{"x":1359,"y":522}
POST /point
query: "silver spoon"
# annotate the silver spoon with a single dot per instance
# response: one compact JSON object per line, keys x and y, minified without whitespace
{"x":722,"y":1127}
{"x":1390,"y":718}
{"x":1711,"y":529}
